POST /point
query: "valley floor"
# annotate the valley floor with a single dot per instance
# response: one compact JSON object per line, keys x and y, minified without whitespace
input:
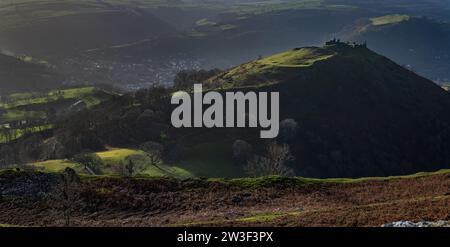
{"x":271,"y":201}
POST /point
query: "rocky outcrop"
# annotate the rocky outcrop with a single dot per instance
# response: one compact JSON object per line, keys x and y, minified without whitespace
{"x":440,"y":223}
{"x":30,"y":185}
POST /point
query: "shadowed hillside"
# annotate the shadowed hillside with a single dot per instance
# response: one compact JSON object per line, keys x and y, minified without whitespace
{"x":359,"y":113}
{"x":74,"y":26}
{"x":18,"y":75}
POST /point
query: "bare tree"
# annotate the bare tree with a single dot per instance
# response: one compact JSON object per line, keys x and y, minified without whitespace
{"x":67,"y":194}
{"x":273,"y":162}
{"x":136,"y":163}
{"x":154,"y":153}
{"x":154,"y":157}
{"x":130,"y":168}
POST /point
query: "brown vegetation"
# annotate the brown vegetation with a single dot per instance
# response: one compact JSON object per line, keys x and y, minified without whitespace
{"x":166,"y":202}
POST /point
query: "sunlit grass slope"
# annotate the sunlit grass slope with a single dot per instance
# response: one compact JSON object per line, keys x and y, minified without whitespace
{"x":271,"y":70}
{"x":116,"y":157}
{"x":389,"y":19}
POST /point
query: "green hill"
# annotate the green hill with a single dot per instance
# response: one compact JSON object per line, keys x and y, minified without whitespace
{"x":359,"y":113}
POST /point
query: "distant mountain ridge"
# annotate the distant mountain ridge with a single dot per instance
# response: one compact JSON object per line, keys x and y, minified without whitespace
{"x":420,"y":43}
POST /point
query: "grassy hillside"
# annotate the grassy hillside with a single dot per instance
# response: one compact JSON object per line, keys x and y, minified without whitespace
{"x":26,"y":113}
{"x":23,"y":99}
{"x":10,"y":134}
{"x":272,"y":69}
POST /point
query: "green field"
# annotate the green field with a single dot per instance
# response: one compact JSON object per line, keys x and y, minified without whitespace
{"x":8,"y":225}
{"x":237,"y":11}
{"x":17,"y":133}
{"x":205,"y":22}
{"x":15,"y":115}
{"x":388,"y":19}
{"x":262,"y":7}
{"x":213,"y":162}
{"x":115,"y":157}
{"x":57,"y":166}
{"x":211,"y":159}
{"x":24,"y":99}
{"x":22,"y":107}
